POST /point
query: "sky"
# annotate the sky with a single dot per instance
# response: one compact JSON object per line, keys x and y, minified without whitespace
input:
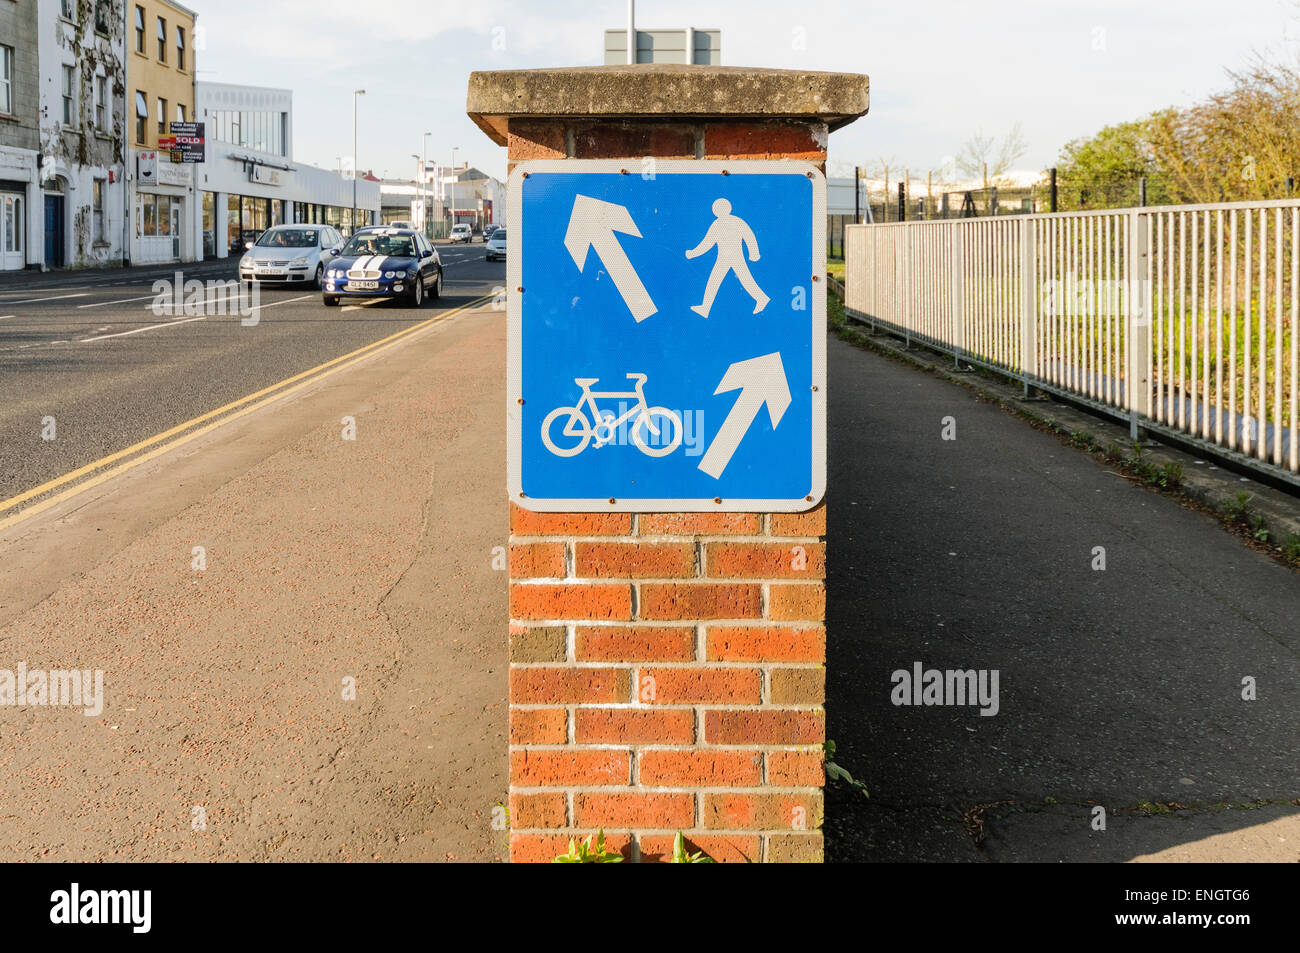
{"x":941,"y":70}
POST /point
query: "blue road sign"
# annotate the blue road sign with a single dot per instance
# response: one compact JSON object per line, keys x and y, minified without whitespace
{"x":667,"y":335}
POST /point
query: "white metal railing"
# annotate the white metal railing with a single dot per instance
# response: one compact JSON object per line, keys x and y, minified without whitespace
{"x":1183,"y":319}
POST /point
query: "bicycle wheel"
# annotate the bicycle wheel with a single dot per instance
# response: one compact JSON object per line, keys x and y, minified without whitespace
{"x":668,"y":432}
{"x":575,"y":426}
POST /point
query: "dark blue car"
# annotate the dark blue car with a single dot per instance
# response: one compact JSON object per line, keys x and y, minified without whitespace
{"x":384,"y":262}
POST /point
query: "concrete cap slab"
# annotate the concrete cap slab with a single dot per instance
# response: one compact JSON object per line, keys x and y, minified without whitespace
{"x":663,"y":91}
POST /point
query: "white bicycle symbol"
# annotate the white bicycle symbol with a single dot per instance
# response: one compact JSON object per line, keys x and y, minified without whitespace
{"x":602,"y":425}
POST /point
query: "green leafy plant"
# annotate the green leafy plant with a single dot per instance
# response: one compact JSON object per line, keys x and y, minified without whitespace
{"x":1258,"y":529}
{"x":836,"y":773}
{"x":681,"y":856}
{"x":1291,"y":548}
{"x":1239,"y":507}
{"x":581,"y":852}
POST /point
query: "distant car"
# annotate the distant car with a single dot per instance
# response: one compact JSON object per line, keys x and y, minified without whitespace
{"x":384,"y":262}
{"x":462,"y":233}
{"x":488,"y":230}
{"x":289,"y":253}
{"x":496,"y":246}
{"x":400,"y":225}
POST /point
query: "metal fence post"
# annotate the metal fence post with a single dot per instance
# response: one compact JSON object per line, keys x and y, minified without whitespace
{"x":958,"y":321}
{"x":1028,"y":304}
{"x":1137,"y":342}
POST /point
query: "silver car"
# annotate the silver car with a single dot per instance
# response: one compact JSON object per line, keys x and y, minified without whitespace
{"x":290,"y":253}
{"x":496,"y":246}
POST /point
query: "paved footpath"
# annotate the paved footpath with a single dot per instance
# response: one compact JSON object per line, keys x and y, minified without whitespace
{"x":1116,"y":687}
{"x":326,"y":560}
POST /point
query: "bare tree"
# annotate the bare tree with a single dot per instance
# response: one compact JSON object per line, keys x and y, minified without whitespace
{"x":983,"y":157}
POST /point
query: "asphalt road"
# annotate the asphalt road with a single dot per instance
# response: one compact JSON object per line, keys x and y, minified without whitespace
{"x":1116,"y":686}
{"x":89,"y":351}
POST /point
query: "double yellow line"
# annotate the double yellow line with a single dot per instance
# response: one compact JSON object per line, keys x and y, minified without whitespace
{"x":183,"y":433}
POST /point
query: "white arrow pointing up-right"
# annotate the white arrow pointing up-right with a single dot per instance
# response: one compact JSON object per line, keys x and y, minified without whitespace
{"x":760,"y":380}
{"x":592,"y":225}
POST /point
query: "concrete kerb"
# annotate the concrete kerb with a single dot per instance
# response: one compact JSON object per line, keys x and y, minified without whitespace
{"x":1204,"y":485}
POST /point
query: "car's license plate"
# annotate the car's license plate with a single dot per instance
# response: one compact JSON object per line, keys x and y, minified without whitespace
{"x":363,"y":285}
{"x":267,"y":271}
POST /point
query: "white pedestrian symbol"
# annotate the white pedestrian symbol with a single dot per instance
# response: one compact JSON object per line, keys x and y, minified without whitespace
{"x":733,"y":236}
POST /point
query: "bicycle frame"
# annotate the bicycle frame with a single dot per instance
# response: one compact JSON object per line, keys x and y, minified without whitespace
{"x":589,"y":398}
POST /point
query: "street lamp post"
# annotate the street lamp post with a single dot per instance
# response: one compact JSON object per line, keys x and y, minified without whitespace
{"x":355,"y":94}
{"x":424,"y":197}
{"x":454,"y":150}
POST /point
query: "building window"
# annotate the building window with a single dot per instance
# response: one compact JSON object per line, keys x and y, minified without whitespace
{"x":65,"y":9}
{"x":69,"y":96}
{"x":180,"y":112}
{"x":6,"y":80}
{"x":180,"y":47}
{"x":101,"y":103}
{"x":98,"y":204}
{"x":162,"y":116}
{"x":162,"y":40}
{"x":141,"y":116}
{"x":101,"y":16}
{"x":139,"y":29}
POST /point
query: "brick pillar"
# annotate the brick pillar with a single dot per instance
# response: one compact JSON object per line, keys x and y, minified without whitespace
{"x":667,"y":670}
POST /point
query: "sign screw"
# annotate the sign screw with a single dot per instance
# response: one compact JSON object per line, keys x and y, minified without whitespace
{"x":809,"y":174}
{"x":622,"y":171}
{"x":717,"y":499}
{"x":815,"y":278}
{"x":525,"y":175}
{"x":808,"y":498}
{"x":522,"y":494}
{"x":521,"y":400}
{"x":611,"y":501}
{"x":520,"y":289}
{"x":814,"y":387}
{"x":725,"y":172}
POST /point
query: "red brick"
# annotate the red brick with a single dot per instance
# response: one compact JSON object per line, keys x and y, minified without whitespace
{"x":535,"y":140}
{"x":544,"y":848}
{"x":765,"y":643}
{"x":538,"y":726}
{"x":570,"y":601}
{"x":634,"y":726}
{"x":763,"y":811}
{"x":609,"y":643}
{"x":796,"y":769}
{"x":527,"y":523}
{"x":765,"y":560}
{"x":762,"y":140}
{"x":537,"y":561}
{"x":569,"y":767}
{"x":811,"y":523}
{"x":705,"y":768}
{"x":722,"y":848}
{"x":699,"y":524}
{"x":795,"y":848}
{"x":677,"y":686}
{"x":768,"y":727}
{"x":634,"y":809}
{"x":788,"y":603}
{"x":701,"y":601}
{"x":569,"y":686}
{"x":639,"y":560}
{"x":633,"y":140}
{"x":538,"y":810}
{"x":798,"y":686}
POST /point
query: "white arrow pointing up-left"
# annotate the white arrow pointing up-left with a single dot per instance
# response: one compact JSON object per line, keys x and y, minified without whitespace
{"x":760,"y":380}
{"x":592,"y":224}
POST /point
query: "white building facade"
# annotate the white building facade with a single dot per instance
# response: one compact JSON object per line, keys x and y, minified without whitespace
{"x":75,"y":214}
{"x":249,"y":180}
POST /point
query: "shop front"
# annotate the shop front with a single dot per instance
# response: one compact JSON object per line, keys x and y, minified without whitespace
{"x":161,"y":217}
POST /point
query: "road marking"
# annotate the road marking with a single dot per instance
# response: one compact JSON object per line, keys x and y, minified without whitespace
{"x":51,"y":298}
{"x":5,"y":317}
{"x":102,"y":304}
{"x":152,"y":327}
{"x":245,"y":405}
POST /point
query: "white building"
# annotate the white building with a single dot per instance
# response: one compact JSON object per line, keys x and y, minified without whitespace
{"x":82,"y":192}
{"x":471,"y":196}
{"x":249,"y":180}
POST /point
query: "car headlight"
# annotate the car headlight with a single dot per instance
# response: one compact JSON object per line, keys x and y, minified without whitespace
{"x":298,"y":261}
{"x":389,"y":274}
{"x":399,"y":274}
{"x":336,"y":274}
{"x":245,"y":262}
